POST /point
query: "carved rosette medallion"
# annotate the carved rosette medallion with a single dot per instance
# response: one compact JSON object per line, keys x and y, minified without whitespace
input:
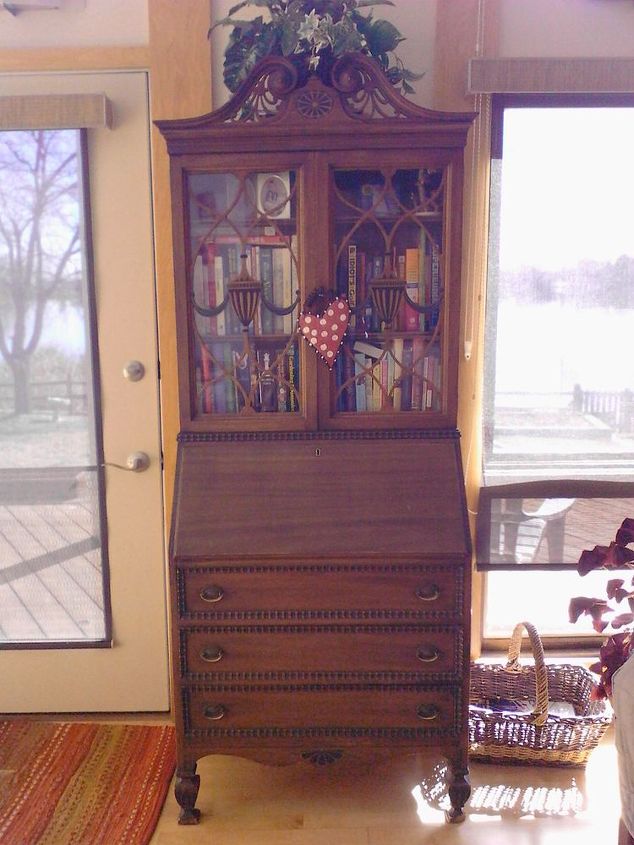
{"x":313,"y":104}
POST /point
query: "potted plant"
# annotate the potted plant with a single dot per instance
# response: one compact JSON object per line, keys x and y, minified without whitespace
{"x":616,"y":649}
{"x":312,"y":33}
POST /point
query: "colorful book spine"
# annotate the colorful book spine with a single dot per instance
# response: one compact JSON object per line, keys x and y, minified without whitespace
{"x":278,"y":288}
{"x":397,"y":375}
{"x":435,"y":283}
{"x":266,"y":276}
{"x":418,"y":352}
{"x":218,"y":387}
{"x":360,"y":379}
{"x":348,"y":377}
{"x":206,"y":376}
{"x":229,"y":386}
{"x":352,"y":281}
{"x":406,"y":374}
{"x":219,"y":283}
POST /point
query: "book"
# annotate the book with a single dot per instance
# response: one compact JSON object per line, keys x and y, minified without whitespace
{"x":219,"y":284}
{"x":352,"y":282}
{"x":418,"y":352}
{"x":219,"y":398}
{"x":266,"y":277}
{"x":206,"y":376}
{"x":229,"y":386}
{"x":410,"y":318}
{"x":293,"y":371}
{"x":287,"y":288}
{"x":406,"y":374}
{"x":397,"y":377}
{"x":278,"y":288}
{"x":348,"y":376}
{"x":360,"y":387}
{"x":435,"y":284}
{"x":367,"y":349}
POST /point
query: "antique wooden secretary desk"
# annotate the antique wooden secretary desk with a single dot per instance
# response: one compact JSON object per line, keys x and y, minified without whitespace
{"x":320,"y":557}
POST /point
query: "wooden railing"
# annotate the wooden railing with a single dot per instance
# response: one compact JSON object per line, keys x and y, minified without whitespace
{"x":64,"y":396}
{"x":616,"y":408}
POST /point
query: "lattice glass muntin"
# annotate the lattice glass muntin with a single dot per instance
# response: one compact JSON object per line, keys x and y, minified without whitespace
{"x":244,"y":220}
{"x":388,"y":224}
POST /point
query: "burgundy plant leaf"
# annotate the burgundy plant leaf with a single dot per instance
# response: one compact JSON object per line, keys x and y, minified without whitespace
{"x":625,"y":534}
{"x":580,"y":605}
{"x":591,"y":559}
{"x":622,"y":619}
{"x":617,"y":556}
{"x":613,"y":588}
{"x":614,"y":651}
{"x":597,"y":667}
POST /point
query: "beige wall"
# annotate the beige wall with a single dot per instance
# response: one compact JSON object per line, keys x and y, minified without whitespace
{"x":566,"y":28}
{"x":78,"y":23}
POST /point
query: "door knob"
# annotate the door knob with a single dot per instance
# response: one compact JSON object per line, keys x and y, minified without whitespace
{"x":138,"y":461}
{"x":133,"y":370}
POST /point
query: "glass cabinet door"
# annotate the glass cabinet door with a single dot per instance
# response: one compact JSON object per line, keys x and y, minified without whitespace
{"x":388,"y":260}
{"x":244,"y":292}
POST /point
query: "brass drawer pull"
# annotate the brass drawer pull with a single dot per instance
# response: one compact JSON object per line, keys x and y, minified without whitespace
{"x":427,"y":712}
{"x":212,"y":654}
{"x":428,"y":593}
{"x":212,"y":593}
{"x":215,"y":712}
{"x":428,"y":654}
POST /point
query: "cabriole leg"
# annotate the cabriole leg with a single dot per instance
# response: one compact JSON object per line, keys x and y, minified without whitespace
{"x":459,"y":792}
{"x":186,"y":792}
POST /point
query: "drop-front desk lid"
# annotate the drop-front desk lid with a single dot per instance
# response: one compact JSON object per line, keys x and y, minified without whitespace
{"x":314,"y":495}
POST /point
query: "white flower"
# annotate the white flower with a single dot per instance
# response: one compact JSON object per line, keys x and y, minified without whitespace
{"x":309,"y":26}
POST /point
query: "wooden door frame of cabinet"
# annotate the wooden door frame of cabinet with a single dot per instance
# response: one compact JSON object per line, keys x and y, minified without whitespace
{"x":275,"y":108}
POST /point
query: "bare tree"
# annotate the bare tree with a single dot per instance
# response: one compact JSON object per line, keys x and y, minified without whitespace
{"x":39,"y":241}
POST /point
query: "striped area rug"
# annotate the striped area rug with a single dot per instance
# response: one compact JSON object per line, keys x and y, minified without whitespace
{"x":82,"y":783}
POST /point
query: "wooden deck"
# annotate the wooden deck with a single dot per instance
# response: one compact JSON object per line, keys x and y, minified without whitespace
{"x":51,"y":585}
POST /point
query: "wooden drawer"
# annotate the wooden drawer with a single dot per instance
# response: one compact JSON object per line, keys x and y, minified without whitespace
{"x":400,"y":591}
{"x":260,"y":650}
{"x":298,"y":710}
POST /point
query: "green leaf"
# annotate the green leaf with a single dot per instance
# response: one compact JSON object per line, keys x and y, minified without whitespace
{"x":361,"y":3}
{"x":345,"y":38}
{"x":411,"y":76}
{"x":383,"y":37}
{"x":289,"y":38}
{"x":245,"y":50}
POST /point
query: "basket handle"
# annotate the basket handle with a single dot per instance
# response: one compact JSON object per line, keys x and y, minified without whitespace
{"x":540,"y":713}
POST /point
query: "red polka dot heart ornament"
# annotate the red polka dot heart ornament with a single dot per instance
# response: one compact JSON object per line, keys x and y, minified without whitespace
{"x":325,"y":330}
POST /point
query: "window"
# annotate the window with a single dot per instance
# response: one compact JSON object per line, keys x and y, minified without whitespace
{"x":53,"y":573}
{"x":558,"y":422}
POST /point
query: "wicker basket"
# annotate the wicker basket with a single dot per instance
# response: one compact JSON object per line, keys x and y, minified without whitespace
{"x":509,"y":720}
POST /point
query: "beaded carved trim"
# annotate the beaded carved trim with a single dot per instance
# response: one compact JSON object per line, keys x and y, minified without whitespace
{"x":264,"y":436}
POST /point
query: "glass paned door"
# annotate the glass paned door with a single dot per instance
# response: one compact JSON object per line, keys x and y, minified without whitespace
{"x":388,"y":259}
{"x":124,"y":668}
{"x":245,"y":292}
{"x":53,"y":569}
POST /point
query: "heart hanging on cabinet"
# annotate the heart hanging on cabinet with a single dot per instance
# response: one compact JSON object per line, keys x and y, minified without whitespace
{"x":325,"y":331}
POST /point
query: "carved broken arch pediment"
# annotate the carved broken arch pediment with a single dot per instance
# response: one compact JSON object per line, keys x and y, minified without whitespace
{"x":353,"y":85}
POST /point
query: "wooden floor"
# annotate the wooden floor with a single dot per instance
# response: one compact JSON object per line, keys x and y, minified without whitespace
{"x":245,"y":803}
{"x":50,"y":572}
